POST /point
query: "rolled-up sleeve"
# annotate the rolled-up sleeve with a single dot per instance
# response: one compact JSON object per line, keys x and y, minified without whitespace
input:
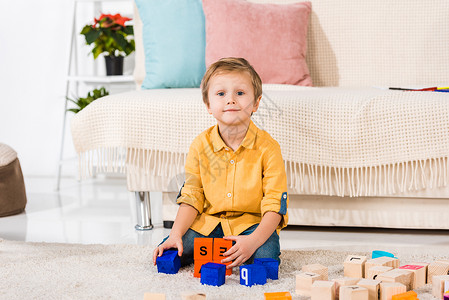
{"x":192,"y":192}
{"x":274,"y":184}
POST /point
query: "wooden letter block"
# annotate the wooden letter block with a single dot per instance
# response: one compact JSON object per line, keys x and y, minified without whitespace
{"x":169,"y":262}
{"x":317,"y":269}
{"x":410,"y":295}
{"x":419,"y":275}
{"x":253,"y":274}
{"x":373,"y":287}
{"x":398,"y":275}
{"x":278,"y":296}
{"x":388,"y":289}
{"x":153,"y":296}
{"x":437,"y":268}
{"x":425,"y":265}
{"x":304,"y":282}
{"x":323,"y":290}
{"x":193,"y":296}
{"x":344,"y":281}
{"x":203,"y":249}
{"x":380,"y":261}
{"x":213,"y":274}
{"x":355,"y":266}
{"x":353,"y":292}
{"x":373,"y":272}
{"x":438,"y":282}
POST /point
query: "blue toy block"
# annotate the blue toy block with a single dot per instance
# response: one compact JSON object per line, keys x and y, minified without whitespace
{"x":169,"y":262}
{"x":379,"y":253}
{"x":271,"y":265}
{"x":253,"y":274}
{"x":213,"y":274}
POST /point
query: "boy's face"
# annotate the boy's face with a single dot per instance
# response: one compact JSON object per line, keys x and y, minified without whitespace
{"x":231,"y":98}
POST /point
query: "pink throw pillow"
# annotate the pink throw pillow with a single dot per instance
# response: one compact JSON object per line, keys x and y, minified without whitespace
{"x":272,"y":37}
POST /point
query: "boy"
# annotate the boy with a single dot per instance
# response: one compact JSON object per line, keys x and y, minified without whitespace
{"x":235,"y":185}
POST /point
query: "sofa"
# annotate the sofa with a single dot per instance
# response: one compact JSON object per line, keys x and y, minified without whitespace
{"x":356,"y":152}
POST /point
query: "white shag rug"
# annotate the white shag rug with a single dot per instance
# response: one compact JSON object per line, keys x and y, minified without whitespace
{"x":74,"y":271}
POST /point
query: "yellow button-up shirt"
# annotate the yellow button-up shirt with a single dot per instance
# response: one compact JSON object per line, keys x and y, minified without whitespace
{"x":234,"y":188}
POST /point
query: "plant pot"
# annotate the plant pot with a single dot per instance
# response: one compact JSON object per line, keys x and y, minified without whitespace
{"x":114,"y":65}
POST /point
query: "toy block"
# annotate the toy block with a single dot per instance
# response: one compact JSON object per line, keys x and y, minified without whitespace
{"x":323,"y":290}
{"x":419,"y":275}
{"x":317,"y":269}
{"x":197,"y":267}
{"x":353,"y":292}
{"x":410,"y":295}
{"x":193,"y":296}
{"x":304,"y":282}
{"x":380,"y":253}
{"x":437,"y":268}
{"x":425,"y":265}
{"x":373,"y":287}
{"x":153,"y":296}
{"x":169,"y":262}
{"x":213,"y":274}
{"x":343,"y":281}
{"x":388,"y":289}
{"x":438,"y":282}
{"x":398,"y":275}
{"x":446,"y":286}
{"x":253,"y":274}
{"x":203,"y":249}
{"x":446,"y":296}
{"x":271,"y":265}
{"x":354,"y":266}
{"x":376,"y":262}
{"x":375,"y":271}
{"x":220,"y":246}
{"x":278,"y":296}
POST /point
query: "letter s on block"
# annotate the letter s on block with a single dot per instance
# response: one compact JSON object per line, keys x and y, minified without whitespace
{"x":244,"y":275}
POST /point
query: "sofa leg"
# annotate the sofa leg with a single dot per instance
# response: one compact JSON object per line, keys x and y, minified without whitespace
{"x":143,"y":211}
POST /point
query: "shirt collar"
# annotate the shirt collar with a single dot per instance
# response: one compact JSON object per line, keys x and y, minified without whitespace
{"x":248,"y":141}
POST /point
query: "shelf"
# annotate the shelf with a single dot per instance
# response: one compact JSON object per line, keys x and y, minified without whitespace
{"x":103,"y":79}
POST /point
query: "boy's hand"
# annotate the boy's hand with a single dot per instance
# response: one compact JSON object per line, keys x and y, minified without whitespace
{"x":171,"y":242}
{"x":241,"y":251}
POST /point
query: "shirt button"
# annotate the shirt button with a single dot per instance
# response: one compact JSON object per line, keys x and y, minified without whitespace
{"x":229,"y":194}
{"x":231,"y":161}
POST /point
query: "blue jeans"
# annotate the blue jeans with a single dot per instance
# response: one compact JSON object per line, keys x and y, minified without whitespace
{"x":270,"y":249}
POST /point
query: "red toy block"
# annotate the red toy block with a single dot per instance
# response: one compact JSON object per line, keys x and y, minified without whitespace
{"x":203,"y":249}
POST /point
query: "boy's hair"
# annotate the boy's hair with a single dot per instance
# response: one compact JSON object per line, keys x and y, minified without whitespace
{"x":231,"y":64}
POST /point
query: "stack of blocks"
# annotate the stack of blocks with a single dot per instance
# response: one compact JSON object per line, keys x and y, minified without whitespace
{"x":366,"y":279}
{"x":207,"y":250}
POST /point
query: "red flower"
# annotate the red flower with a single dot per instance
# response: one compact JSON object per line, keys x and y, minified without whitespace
{"x":107,"y":20}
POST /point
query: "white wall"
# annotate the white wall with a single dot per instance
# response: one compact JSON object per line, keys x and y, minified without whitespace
{"x":34,"y":51}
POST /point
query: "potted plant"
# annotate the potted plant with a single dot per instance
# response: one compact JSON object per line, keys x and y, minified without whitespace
{"x":91,"y":96}
{"x":110,"y":36}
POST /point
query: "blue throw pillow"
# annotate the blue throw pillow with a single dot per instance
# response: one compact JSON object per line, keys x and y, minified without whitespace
{"x":174,"y":43}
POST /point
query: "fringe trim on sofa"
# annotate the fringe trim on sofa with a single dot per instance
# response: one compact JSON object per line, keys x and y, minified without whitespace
{"x":303,"y":178}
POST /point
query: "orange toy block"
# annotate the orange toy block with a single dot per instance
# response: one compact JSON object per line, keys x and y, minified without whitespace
{"x":203,"y":249}
{"x":278,"y":296}
{"x":410,"y":295}
{"x":220,"y":247}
